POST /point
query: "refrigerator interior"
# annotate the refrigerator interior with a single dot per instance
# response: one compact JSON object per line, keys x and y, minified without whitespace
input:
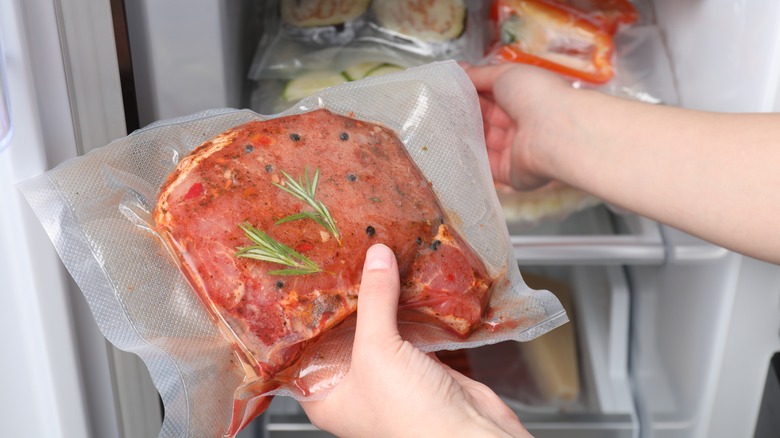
{"x":674,"y":335}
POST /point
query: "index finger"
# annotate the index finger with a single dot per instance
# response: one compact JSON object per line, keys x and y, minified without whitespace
{"x":484,"y":76}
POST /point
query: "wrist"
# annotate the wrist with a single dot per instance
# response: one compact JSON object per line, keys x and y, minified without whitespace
{"x":473,"y":424}
{"x":558,"y":140}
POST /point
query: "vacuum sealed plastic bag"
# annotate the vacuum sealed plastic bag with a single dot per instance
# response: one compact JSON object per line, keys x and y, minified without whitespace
{"x":225,"y":248}
{"x":609,"y":45}
{"x":553,"y":202}
{"x":439,"y":29}
{"x":287,"y":84}
{"x":422,"y":30}
{"x":542,"y":375}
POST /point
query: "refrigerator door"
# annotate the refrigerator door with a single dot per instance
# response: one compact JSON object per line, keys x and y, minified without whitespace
{"x":42,"y":386}
{"x":64,"y":379}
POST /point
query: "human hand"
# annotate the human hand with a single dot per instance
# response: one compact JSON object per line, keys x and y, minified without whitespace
{"x":523,"y":110}
{"x":394,"y":389}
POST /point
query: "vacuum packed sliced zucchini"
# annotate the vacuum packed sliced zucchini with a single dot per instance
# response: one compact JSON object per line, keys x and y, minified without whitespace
{"x":384,"y":69}
{"x":309,"y":83}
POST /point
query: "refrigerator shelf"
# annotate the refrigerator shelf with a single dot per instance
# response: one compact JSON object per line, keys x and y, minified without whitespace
{"x":595,"y":236}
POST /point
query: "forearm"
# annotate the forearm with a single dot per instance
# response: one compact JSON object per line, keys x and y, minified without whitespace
{"x":712,"y":175}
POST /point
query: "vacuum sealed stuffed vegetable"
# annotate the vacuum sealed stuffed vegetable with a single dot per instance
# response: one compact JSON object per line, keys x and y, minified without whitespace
{"x":303,"y":36}
{"x":225,"y":248}
{"x":438,"y":29}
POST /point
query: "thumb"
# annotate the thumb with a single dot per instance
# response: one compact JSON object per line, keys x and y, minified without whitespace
{"x":378,"y":297}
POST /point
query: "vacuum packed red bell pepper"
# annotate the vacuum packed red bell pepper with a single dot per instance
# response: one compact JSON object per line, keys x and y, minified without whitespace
{"x":607,"y":14}
{"x":554,"y":37}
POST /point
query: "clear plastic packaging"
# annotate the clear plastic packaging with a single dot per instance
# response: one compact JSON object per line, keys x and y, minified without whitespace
{"x":623,"y":55}
{"x":553,"y":202}
{"x":414,"y":31}
{"x":287,"y":83}
{"x":635,"y":65}
{"x":97,"y":210}
{"x":542,"y":375}
{"x":442,"y":29}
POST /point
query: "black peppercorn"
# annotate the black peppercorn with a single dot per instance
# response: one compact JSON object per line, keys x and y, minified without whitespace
{"x":295,"y":137}
{"x":279,"y":284}
{"x":435,"y":245}
{"x":352,"y":177}
{"x":370,"y":231}
{"x":249,"y":148}
{"x":344,"y":136}
{"x":269,"y":168}
{"x":419,"y":240}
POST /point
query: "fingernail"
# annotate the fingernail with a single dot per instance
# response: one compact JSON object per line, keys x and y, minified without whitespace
{"x":378,"y":257}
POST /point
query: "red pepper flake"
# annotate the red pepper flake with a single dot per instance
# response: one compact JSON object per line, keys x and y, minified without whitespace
{"x":194,"y":191}
{"x":262,"y":140}
{"x":249,"y":191}
{"x":302,"y":247}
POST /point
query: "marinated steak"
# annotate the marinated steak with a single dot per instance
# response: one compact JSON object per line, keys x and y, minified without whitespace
{"x":359,"y":174}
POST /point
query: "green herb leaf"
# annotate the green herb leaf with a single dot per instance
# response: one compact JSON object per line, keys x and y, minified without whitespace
{"x":269,"y":250}
{"x":297,"y":216}
{"x":305,"y":189}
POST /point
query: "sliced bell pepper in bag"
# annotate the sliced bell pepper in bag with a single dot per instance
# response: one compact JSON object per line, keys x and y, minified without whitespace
{"x":607,"y":14}
{"x":550,"y":36}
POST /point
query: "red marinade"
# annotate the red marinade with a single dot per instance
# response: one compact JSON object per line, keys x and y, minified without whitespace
{"x":375,"y":194}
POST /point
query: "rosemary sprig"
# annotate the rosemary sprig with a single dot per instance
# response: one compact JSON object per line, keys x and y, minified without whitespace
{"x":305,"y":190}
{"x":269,"y":250}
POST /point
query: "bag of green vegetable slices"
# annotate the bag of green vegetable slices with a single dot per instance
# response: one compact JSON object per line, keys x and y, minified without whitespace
{"x":225,"y":248}
{"x":311,"y":45}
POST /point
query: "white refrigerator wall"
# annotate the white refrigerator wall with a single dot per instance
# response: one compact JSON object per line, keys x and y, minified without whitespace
{"x":39,"y":370}
{"x":703,"y":324}
{"x":707,"y":322}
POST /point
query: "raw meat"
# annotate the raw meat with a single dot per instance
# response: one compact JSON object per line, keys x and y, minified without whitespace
{"x":372,"y":190}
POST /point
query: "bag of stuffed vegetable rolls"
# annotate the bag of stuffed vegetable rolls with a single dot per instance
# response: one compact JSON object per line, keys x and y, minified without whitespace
{"x":296,"y":32}
{"x":225,"y":248}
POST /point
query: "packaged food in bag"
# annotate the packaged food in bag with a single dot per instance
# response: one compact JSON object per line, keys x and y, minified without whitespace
{"x":609,"y":45}
{"x":322,"y":22}
{"x":225,"y":248}
{"x":554,"y":36}
{"x":316,"y":71}
{"x":417,"y":31}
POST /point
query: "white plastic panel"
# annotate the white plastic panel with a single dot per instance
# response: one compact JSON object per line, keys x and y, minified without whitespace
{"x":42,"y":393}
{"x":187,"y":55}
{"x":753,"y":337}
{"x":589,"y":238}
{"x":681,"y":320}
{"x":6,"y":130}
{"x":602,"y":299}
{"x":725,"y":53}
{"x":699,"y":324}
